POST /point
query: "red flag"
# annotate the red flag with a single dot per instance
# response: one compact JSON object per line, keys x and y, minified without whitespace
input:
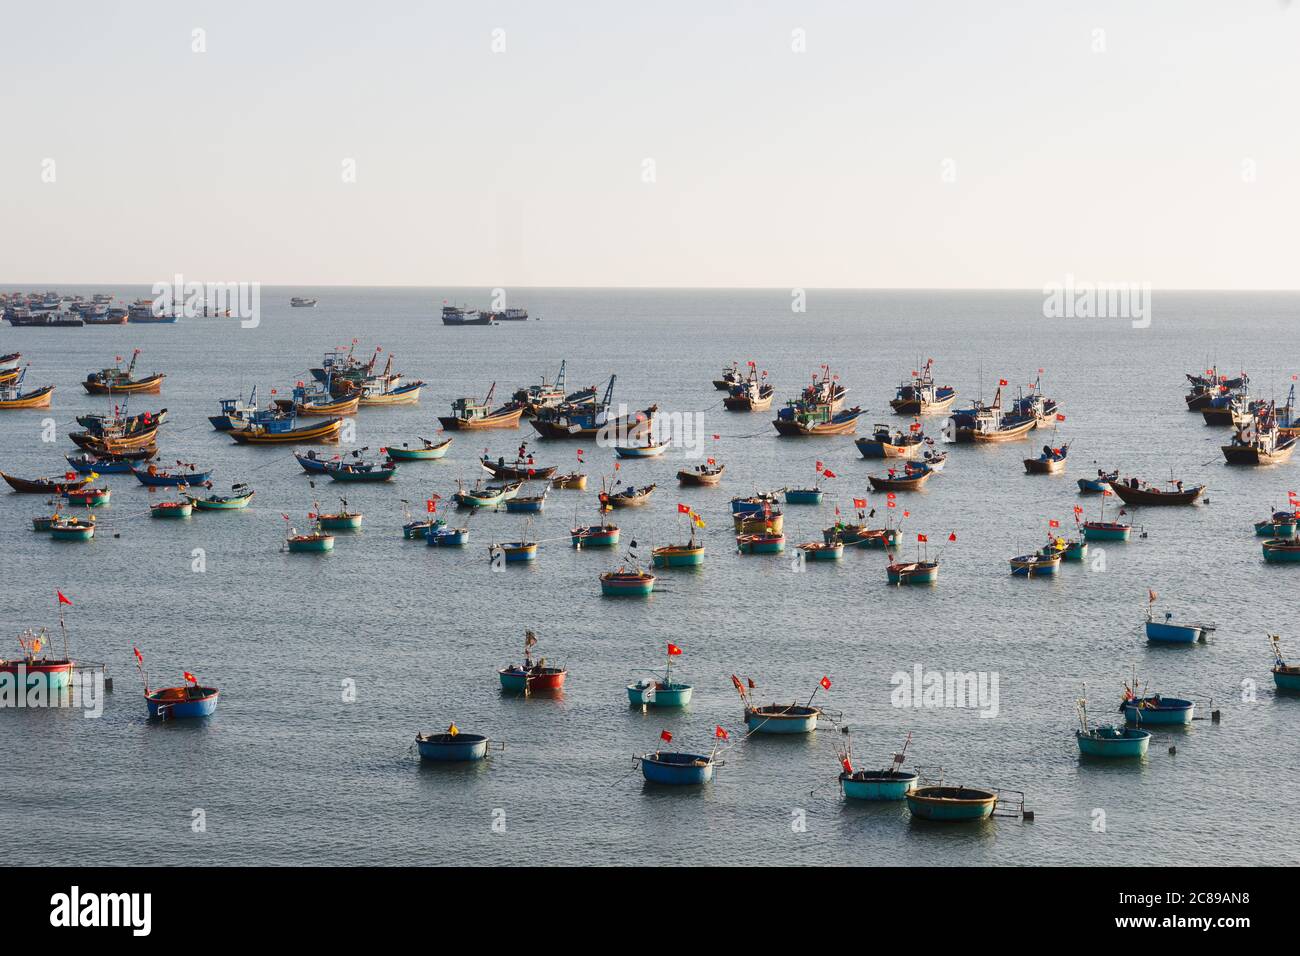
{"x":190,"y":677}
{"x":820,"y":466}
{"x":720,"y":733}
{"x":717,"y":437}
{"x":907,"y":514}
{"x":827,"y":473}
{"x":1107,"y":493}
{"x":736,"y":680}
{"x":431,"y":506}
{"x":683,"y":509}
{"x":922,"y":538}
{"x":891,"y":504}
{"x":1078,"y":510}
{"x":952,"y":536}
{"x":673,"y":650}
{"x":710,"y":461}
{"x":890,"y":495}
{"x":1060,"y":417}
{"x":848,"y":767}
{"x":1053,"y":523}
{"x":859,"y":502}
{"x":138,"y":656}
{"x":1002,"y":382}
{"x":752,"y":685}
{"x":826,"y":683}
{"x":665,"y":736}
{"x":62,"y":599}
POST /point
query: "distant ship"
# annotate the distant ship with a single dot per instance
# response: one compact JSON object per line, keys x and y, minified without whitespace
{"x":298,"y":302}
{"x":454,"y":315}
{"x":510,"y":315}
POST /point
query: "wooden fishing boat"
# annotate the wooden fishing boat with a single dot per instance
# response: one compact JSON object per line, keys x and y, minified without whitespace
{"x":1007,"y":429}
{"x":911,"y":480}
{"x":238,"y":499}
{"x":731,"y":375}
{"x":885,"y":442}
{"x":87,"y":496}
{"x":361,"y":471}
{"x":315,"y":542}
{"x":531,"y":676}
{"x":754,"y":394}
{"x":521,"y":469}
{"x":920,"y":396}
{"x":116,"y":444}
{"x":9,"y":376}
{"x":952,"y":804}
{"x":72,"y":529}
{"x":803,"y":496}
{"x":701,"y":475}
{"x":46,"y":486}
{"x":171,"y":509}
{"x":121,"y":425}
{"x":469,"y":414}
{"x":406,"y":393}
{"x":572,"y":481}
{"x":1282,"y":550}
{"x":1131,"y":492}
{"x":478,"y":497}
{"x":760,"y":543}
{"x":631,"y":496}
{"x":1286,"y":677}
{"x":265,"y":430}
{"x":822,"y":550}
{"x":534,"y":398}
{"x":93,"y":464}
{"x":649,"y":450}
{"x":859,"y":535}
{"x":324,"y":407}
{"x":235,"y":412}
{"x":1095,"y":486}
{"x":452,"y":747}
{"x":627,"y":583}
{"x":120,"y":380}
{"x":441,"y":535}
{"x":513,"y":552}
{"x":1036,"y":565}
{"x":988,"y":424}
{"x":526,"y":504}
{"x":1259,"y":442}
{"x":11,"y":399}
{"x":154,"y":477}
{"x":171,"y":703}
{"x":10,"y":362}
{"x":591,"y":420}
{"x":677,"y":769}
{"x":816,"y":421}
{"x":771,"y":521}
{"x":912,"y":572}
{"x":1050,"y":462}
{"x":425,"y":451}
{"x":342,"y":520}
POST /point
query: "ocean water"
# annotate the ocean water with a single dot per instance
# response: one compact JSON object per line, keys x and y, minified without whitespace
{"x":290,"y":772}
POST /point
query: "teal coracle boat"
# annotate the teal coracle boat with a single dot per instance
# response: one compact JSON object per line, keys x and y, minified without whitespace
{"x":1282,"y":550}
{"x":661,"y":693}
{"x":677,"y":769}
{"x":760,"y":543}
{"x":1108,"y":742}
{"x":822,"y":551}
{"x":1286,"y":676}
{"x":513,"y":551}
{"x":72,"y":529}
{"x":595,"y":536}
{"x":237,"y":500}
{"x":440,"y":535}
{"x":625,"y":583}
{"x":688,"y":555}
{"x":803,"y":496}
{"x":452,"y":747}
{"x":1154,"y":709}
{"x":1275,"y":528}
{"x":951,"y":804}
{"x":425,"y":451}
{"x":889,"y":783}
{"x":343,"y":520}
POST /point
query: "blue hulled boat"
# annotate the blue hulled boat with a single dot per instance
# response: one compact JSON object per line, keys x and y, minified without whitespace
{"x":1153,"y":709}
{"x":890,"y":783}
{"x":452,"y":746}
{"x":1166,"y":632}
{"x":661,"y":693}
{"x":1109,"y":742}
{"x":1285,"y":676}
{"x":93,"y":464}
{"x":679,"y":769}
{"x":154,"y":477}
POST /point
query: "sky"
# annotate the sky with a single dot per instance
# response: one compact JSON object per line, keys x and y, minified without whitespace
{"x":809,"y":144}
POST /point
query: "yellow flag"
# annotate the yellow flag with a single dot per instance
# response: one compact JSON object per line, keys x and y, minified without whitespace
{"x":699,"y":522}
{"x":93,"y":475}
{"x":453,"y":730}
{"x":36,"y":646}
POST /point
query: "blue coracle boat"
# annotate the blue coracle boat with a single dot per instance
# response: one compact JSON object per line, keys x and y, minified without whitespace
{"x":452,"y":747}
{"x":1155,"y":709}
{"x":191,"y":701}
{"x":679,"y":769}
{"x":1166,"y":632}
{"x":1285,"y":676}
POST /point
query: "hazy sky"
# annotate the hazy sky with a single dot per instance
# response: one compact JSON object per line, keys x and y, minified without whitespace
{"x":968,"y":143}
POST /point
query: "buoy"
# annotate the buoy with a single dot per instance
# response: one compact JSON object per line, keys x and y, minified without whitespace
{"x":1028,"y":816}
{"x":1214,"y":716}
{"x":1172,"y":751}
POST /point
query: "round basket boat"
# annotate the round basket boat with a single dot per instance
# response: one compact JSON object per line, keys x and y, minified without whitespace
{"x":679,"y":769}
{"x":1113,"y":742}
{"x":450,"y":748}
{"x":951,"y":804}
{"x":782,"y":719}
{"x":659,"y":694}
{"x":878,"y":784}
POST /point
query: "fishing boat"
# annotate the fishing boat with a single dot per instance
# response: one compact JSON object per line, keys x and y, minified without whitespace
{"x":913,"y":477}
{"x":170,"y":703}
{"x":469,"y":414}
{"x":115,"y":441}
{"x":534,"y":398}
{"x":988,"y":424}
{"x":531,"y":676}
{"x":387,"y":392}
{"x":301,"y":302}
{"x":441,"y":535}
{"x":1155,"y":709}
{"x":94,"y":464}
{"x":1036,"y":565}
{"x":274,"y":429}
{"x":235,"y":412}
{"x":822,"y":550}
{"x":888,"y":783}
{"x":318,"y":402}
{"x":10,"y":362}
{"x":526,"y":504}
{"x":731,"y":375}
{"x":628,"y":579}
{"x":803,"y":496}
{"x":454,"y":746}
{"x":72,"y":529}
{"x":171,"y":509}
{"x":314,"y":542}
{"x":523,"y":468}
{"x":1286,"y":677}
{"x":885,"y":442}
{"x":1101,"y":529}
{"x":794,"y":420}
{"x":1050,"y":462}
{"x":1259,"y":441}
{"x":87,"y":496}
{"x":361,"y":471}
{"x":772,"y":542}
{"x":649,"y":450}
{"x":1112,"y":742}
{"x":920,"y":571}
{"x":859,"y":535}
{"x":513,"y":552}
{"x":661,"y":693}
{"x":1166,"y":632}
{"x":13,"y":398}
{"x":1134,"y":492}
{"x":118,"y":379}
{"x":777,"y":718}
{"x":239,"y":497}
{"x":591,"y":420}
{"x":152,"y":476}
{"x":677,"y":769}
{"x":708,"y":474}
{"x":753,"y":394}
{"x":755,"y":504}
{"x":1281,"y":524}
{"x":426,"y":451}
{"x":952,"y":804}
{"x":631,"y":496}
{"x":479,"y":496}
{"x":342,"y":520}
{"x":920,"y":396}
{"x":572,"y":481}
{"x":46,"y":486}
{"x":45,"y":522}
{"x":1070,"y":549}
{"x":687,"y":555}
{"x":1095,"y":486}
{"x":1282,"y":550}
{"x":35,"y":668}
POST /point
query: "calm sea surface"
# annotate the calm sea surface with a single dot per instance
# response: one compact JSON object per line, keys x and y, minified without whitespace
{"x":288,"y":772}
